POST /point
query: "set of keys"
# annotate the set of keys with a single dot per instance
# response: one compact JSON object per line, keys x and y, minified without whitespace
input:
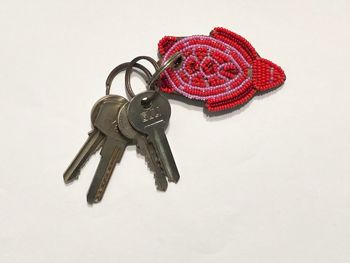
{"x":117,"y":123}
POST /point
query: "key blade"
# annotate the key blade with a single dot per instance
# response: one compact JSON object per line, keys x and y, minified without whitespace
{"x":91,"y":146}
{"x":111,"y":154}
{"x":151,"y":117}
{"x":158,"y":139}
{"x":153,"y":163}
{"x":142,"y":147}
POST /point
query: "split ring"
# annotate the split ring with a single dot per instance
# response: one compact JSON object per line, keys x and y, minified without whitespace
{"x":129,"y":69}
{"x":174,"y":61}
{"x":121,"y":68}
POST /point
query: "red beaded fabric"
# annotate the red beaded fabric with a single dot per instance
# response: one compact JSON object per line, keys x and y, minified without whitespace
{"x":222,"y":69}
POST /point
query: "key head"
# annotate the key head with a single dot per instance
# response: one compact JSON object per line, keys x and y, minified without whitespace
{"x":124,"y":125}
{"x":97,"y":106}
{"x":106,"y":120}
{"x":155,"y":114}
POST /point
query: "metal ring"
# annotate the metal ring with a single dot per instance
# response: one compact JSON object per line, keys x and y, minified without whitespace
{"x":167,"y":64}
{"x":173,"y":61}
{"x":129,"y":69}
{"x":122,"y":67}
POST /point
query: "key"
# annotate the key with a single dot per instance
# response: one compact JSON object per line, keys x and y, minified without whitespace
{"x":91,"y":146}
{"x":152,"y":119}
{"x":112,"y":149}
{"x":144,"y":147}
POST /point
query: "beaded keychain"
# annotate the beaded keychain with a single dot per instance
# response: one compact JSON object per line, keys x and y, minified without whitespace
{"x":222,"y":69}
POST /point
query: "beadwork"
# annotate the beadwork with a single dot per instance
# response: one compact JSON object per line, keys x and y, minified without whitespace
{"x":222,"y":69}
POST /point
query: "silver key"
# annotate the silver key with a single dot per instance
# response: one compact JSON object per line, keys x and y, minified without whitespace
{"x":152,"y":119}
{"x":144,"y":147}
{"x":91,"y":146}
{"x":112,"y":149}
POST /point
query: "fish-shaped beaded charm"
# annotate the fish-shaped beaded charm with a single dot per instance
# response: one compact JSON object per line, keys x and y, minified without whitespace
{"x":222,"y":69}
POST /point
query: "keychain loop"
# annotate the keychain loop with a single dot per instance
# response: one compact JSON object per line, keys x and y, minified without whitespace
{"x":175,"y":60}
{"x":122,"y":67}
{"x":129,"y":69}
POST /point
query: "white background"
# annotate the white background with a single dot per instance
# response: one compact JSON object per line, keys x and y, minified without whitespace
{"x":268,"y":183}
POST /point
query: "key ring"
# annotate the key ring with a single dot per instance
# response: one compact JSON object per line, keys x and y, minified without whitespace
{"x":129,"y":69}
{"x":122,"y":67}
{"x":175,"y":61}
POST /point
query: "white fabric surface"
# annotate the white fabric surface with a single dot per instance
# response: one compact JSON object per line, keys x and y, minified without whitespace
{"x":268,"y":183}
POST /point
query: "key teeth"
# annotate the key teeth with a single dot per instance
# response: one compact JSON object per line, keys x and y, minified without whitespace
{"x":139,"y":151}
{"x":147,"y":159}
{"x":70,"y":180}
{"x":149,"y":163}
{"x":160,"y":187}
{"x":92,"y":200}
{"x":75,"y":175}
